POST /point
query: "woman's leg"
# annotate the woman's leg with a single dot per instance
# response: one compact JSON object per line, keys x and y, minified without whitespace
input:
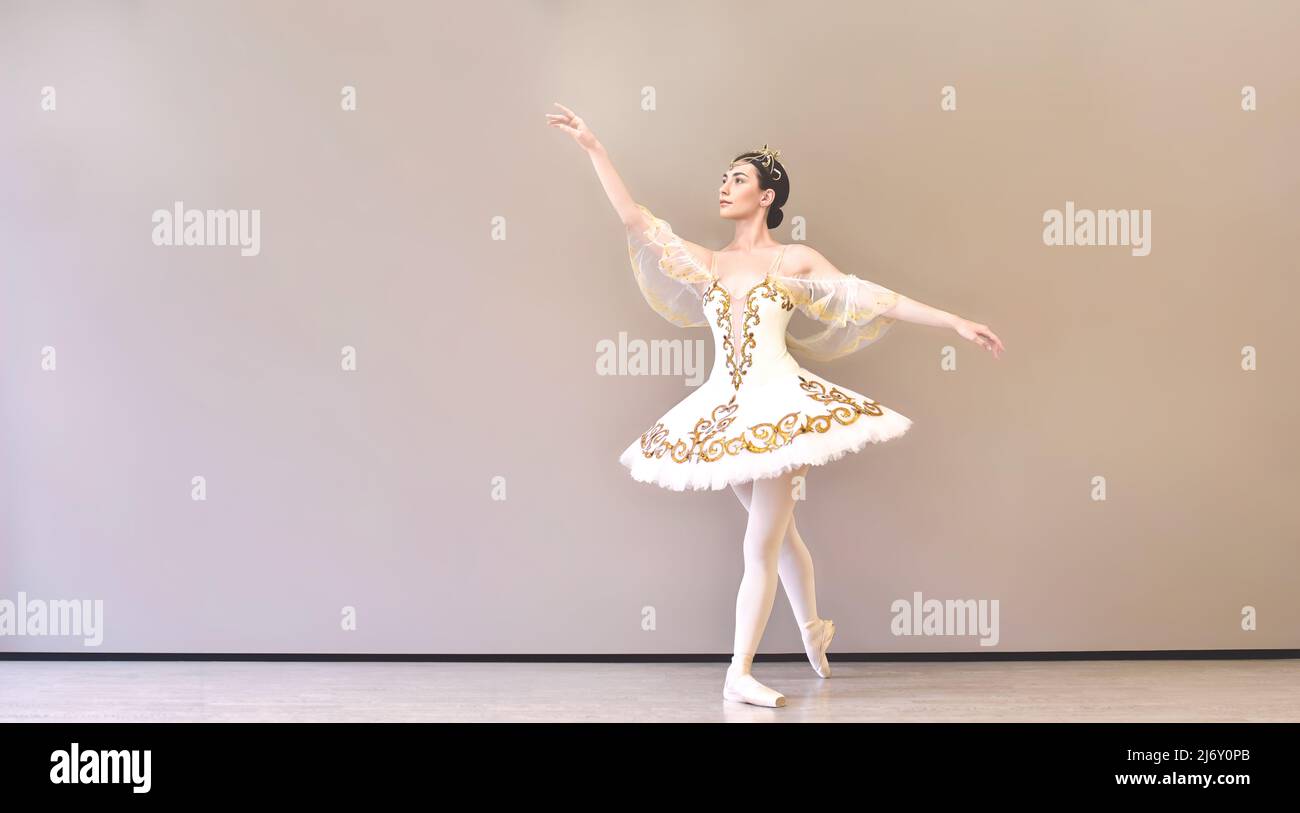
{"x":771,"y":506}
{"x":794,"y":565}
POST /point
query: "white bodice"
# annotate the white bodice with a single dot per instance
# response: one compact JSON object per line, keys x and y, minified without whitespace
{"x":749,"y":334}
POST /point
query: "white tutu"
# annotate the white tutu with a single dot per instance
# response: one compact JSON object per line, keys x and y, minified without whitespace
{"x":759,"y":414}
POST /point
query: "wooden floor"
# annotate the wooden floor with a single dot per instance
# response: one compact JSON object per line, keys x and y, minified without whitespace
{"x":1093,"y":691}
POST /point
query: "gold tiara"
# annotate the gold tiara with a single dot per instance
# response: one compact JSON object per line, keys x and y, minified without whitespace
{"x":767,"y":157}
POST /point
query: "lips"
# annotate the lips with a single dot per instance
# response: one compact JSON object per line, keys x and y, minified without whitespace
{"x":724,"y":203}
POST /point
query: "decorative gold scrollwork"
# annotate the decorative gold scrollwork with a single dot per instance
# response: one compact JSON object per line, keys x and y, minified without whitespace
{"x":765,"y":289}
{"x":706,"y":446}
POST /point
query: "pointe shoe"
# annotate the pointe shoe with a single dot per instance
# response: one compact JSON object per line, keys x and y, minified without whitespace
{"x":816,"y":640}
{"x":746,"y":689}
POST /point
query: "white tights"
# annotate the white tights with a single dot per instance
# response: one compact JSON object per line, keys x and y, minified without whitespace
{"x":770,"y":503}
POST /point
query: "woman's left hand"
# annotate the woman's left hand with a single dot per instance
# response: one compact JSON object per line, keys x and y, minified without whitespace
{"x":980,"y":334}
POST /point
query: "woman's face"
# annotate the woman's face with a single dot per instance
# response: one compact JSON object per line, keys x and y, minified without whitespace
{"x":739,"y":197}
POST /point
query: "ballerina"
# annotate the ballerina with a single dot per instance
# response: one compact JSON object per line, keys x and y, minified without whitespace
{"x":760,"y":420}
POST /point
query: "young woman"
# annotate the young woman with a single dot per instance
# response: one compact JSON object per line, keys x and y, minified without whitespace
{"x":760,"y":420}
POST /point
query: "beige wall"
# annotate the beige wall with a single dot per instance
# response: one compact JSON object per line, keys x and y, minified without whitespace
{"x":373,"y":489}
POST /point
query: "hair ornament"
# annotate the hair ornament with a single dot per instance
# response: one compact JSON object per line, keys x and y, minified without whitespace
{"x":767,"y":157}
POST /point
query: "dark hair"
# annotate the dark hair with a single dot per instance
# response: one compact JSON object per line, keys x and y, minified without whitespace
{"x":769,"y":177}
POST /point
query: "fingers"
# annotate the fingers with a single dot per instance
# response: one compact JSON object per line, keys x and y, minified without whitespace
{"x":989,"y":340}
{"x":985,"y":338}
{"x":570,"y":117}
{"x":567,"y":121}
{"x":573,"y":118}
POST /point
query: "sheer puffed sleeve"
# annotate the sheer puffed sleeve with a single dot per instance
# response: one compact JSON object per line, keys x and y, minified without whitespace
{"x":671,"y":279}
{"x":851,"y":308}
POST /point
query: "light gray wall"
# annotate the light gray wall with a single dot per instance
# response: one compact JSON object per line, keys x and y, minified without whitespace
{"x":373,"y":489}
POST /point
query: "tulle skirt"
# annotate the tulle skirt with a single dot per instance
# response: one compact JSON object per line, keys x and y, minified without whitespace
{"x":719,"y":435}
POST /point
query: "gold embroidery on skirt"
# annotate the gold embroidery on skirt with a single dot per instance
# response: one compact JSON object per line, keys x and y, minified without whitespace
{"x":760,"y":437}
{"x":655,"y":442}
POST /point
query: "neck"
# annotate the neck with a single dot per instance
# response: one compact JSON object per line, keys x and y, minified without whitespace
{"x":752,"y":234}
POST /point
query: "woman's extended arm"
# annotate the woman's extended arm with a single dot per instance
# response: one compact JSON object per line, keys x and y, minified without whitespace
{"x":615,"y":189}
{"x":813,"y":266}
{"x":629,"y":211}
{"x":672,"y":273}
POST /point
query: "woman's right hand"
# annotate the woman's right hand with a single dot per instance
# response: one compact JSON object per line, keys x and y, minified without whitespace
{"x":572,"y":123}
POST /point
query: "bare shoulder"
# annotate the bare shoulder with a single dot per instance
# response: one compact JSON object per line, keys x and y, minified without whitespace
{"x":800,"y":259}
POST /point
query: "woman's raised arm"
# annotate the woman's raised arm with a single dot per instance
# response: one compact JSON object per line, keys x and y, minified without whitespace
{"x":615,"y":189}
{"x":673,"y":274}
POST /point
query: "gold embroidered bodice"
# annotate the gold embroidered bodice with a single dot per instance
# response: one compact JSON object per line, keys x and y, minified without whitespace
{"x":750,"y":331}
